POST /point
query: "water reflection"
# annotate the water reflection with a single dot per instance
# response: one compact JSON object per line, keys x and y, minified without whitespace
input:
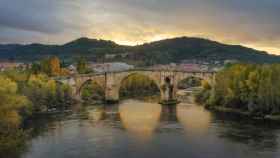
{"x":140,"y":119}
{"x":168,"y":114}
{"x":96,"y":114}
{"x":195,"y":119}
{"x":260,"y":135}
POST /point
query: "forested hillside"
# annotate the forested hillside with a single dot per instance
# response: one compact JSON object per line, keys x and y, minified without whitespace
{"x":160,"y":52}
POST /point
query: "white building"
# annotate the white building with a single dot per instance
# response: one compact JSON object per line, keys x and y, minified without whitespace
{"x":110,"y":67}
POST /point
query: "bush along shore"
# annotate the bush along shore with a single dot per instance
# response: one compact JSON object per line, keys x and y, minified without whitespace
{"x":247,"y":89}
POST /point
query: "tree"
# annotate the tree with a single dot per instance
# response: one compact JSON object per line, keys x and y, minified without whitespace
{"x":45,"y":66}
{"x":82,"y":66}
{"x":11,"y":102}
{"x":55,"y":69}
{"x":35,"y":68}
{"x":21,"y":94}
{"x":50,"y":66}
{"x":92,"y":91}
{"x":13,"y":109}
{"x":247,"y":87}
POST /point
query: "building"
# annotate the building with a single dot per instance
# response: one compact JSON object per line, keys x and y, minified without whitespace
{"x":120,"y":55}
{"x":190,"y":67}
{"x":230,"y":61}
{"x":110,"y":56}
{"x":72,"y":69}
{"x":110,"y":67}
{"x":12,"y":65}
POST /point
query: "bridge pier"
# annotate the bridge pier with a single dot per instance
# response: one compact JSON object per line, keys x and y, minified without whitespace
{"x":168,"y":95}
{"x":77,"y":98}
{"x":111,"y":95}
{"x":168,"y":89}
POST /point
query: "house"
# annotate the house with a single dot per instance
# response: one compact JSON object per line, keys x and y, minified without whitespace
{"x":13,"y":65}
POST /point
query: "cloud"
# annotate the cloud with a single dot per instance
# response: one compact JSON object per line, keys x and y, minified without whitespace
{"x":251,"y":22}
{"x":28,"y":16}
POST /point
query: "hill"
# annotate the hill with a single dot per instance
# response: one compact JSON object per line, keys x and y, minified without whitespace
{"x":177,"y":49}
{"x":159,"y":52}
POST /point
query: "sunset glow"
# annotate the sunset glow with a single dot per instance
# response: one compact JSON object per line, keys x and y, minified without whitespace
{"x":132,"y":22}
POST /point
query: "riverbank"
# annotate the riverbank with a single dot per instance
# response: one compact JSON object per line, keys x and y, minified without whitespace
{"x":252,"y":89}
{"x":244,"y":113}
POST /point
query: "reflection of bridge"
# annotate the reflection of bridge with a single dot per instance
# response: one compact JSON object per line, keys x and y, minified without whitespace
{"x":113,"y":113}
{"x":166,"y":80}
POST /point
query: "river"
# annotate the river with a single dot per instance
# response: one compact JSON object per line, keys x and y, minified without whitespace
{"x":137,"y":129}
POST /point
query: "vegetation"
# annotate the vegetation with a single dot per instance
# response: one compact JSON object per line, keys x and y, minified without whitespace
{"x":82,"y":66}
{"x":247,"y":87}
{"x":50,"y":66}
{"x":23,"y":94}
{"x":13,"y":108}
{"x":160,"y":52}
{"x":92,"y":92}
{"x":46,"y":94}
{"x":189,"y":82}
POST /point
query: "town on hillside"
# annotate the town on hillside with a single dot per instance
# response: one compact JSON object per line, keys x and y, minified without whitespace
{"x":101,"y":67}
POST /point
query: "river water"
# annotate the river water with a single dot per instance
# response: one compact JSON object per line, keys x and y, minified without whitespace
{"x":137,"y":129}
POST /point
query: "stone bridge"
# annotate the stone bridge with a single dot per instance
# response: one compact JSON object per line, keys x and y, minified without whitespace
{"x":166,"y":80}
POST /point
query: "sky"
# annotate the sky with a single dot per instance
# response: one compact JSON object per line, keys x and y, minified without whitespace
{"x":253,"y":23}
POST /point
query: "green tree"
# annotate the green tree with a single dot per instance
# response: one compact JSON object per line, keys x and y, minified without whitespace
{"x":13,"y":109}
{"x":254,"y":88}
{"x":50,"y":66}
{"x":36,"y":68}
{"x":92,"y":91}
{"x":82,"y":66}
{"x":45,"y":66}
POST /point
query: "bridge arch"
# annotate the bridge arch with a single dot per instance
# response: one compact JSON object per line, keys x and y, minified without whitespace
{"x":152,"y":78}
{"x":94,"y":87}
{"x":202,"y":76}
{"x":190,"y":81}
{"x":154,"y":82}
{"x":80,"y":87}
{"x":208,"y":77}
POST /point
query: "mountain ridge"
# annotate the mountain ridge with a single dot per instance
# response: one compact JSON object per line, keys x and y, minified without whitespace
{"x":157,"y":52}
